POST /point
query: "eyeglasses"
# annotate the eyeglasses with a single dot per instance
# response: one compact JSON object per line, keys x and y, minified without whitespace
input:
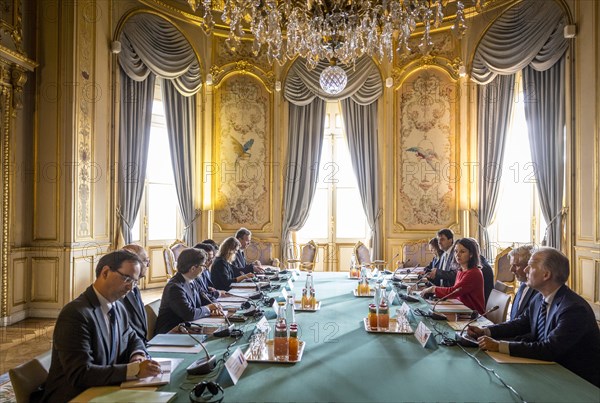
{"x":127,"y":279}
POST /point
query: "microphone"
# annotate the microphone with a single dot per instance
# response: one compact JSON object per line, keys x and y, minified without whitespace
{"x":401,"y":281}
{"x":227,"y":331}
{"x":202,"y":365}
{"x":466,"y":340}
{"x":436,"y":316}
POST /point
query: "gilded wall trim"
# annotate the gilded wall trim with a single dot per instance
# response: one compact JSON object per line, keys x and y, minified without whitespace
{"x":597,"y":121}
{"x":5,"y":99}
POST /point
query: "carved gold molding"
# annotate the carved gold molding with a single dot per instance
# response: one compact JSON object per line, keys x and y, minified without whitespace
{"x":243,"y":67}
{"x":5,"y":94}
{"x":11,"y":22}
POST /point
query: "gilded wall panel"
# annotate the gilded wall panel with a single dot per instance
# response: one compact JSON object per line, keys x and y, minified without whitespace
{"x":19,"y":282}
{"x":242,"y":148}
{"x":86,"y":17}
{"x":222,"y":54}
{"x":83,"y":274}
{"x":44,"y":279}
{"x":425,"y":152}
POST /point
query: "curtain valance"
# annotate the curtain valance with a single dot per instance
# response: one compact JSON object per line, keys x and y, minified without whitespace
{"x":528,"y":34}
{"x":152,"y":44}
{"x":364,"y":83}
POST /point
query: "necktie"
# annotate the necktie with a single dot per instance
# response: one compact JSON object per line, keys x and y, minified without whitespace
{"x":541,"y":322}
{"x":112,"y":319}
{"x":515,"y":308}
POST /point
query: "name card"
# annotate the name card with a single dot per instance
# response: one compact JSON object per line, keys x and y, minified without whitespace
{"x":284,"y":292}
{"x":294,"y":275}
{"x":263,"y":325}
{"x":290,"y":285}
{"x":236,"y":364}
{"x":391,"y":297}
{"x":404,"y":310}
{"x":422,"y":334}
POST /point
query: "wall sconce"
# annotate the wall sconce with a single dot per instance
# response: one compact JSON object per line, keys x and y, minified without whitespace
{"x":115,"y":47}
{"x":462,"y":71}
{"x":389,"y":82}
{"x":277,"y":85}
{"x":209,"y":79}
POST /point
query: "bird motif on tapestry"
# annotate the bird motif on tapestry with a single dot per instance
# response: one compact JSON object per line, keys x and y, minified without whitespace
{"x":241,"y":151}
{"x":428,"y":155}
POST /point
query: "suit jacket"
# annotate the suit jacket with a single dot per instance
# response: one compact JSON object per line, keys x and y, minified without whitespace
{"x":222,"y":274}
{"x":573,"y":338}
{"x":137,"y":315}
{"x":180,"y":302}
{"x":240,"y":266}
{"x":518,"y":309}
{"x":445,"y":275}
{"x":81,"y":349}
{"x":488,"y":277}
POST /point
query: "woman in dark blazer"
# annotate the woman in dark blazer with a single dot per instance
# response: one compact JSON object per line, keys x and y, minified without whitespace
{"x":222,"y":274}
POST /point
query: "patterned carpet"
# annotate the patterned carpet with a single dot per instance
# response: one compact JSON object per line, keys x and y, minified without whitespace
{"x":20,"y":343}
{"x":6,"y":391}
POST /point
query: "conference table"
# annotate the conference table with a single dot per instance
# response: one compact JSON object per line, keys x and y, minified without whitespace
{"x":344,"y":363}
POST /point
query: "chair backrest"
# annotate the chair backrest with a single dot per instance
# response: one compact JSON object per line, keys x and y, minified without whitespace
{"x":169,"y":262}
{"x":28,"y":377}
{"x":363,"y":254}
{"x":151,"y":316}
{"x":308,"y":256}
{"x":503,"y":287}
{"x":502,"y":267}
{"x":176,"y":247}
{"x":416,"y":253}
{"x":502,"y":300}
{"x":259,"y":250}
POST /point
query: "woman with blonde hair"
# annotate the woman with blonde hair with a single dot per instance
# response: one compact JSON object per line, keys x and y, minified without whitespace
{"x":222,"y":274}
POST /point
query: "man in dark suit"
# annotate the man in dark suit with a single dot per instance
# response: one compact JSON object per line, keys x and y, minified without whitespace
{"x":240,"y":266}
{"x":180,"y":300}
{"x":208,"y":292}
{"x":445,"y":274}
{"x":133,"y":300}
{"x":518,"y":259}
{"x":558,"y":325}
{"x":93,"y":344}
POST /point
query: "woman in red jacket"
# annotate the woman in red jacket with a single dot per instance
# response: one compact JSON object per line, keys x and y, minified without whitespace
{"x":469,"y":278}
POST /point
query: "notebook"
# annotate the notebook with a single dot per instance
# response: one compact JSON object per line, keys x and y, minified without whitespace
{"x":167,"y":366}
{"x":177,"y":340}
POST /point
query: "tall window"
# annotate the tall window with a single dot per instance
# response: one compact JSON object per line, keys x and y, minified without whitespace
{"x":158,"y":220}
{"x":337,"y":214}
{"x":518,"y":218}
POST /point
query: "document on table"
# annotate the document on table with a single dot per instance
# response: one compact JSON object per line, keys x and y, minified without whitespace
{"x":167,"y":366}
{"x":509,"y":359}
{"x":135,"y":396}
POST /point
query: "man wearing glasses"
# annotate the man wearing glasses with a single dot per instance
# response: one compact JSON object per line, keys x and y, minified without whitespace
{"x":180,"y":300}
{"x":207,"y":290}
{"x":133,"y":300}
{"x":93,"y":344}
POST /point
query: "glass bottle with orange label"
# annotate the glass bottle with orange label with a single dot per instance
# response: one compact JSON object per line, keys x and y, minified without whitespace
{"x":383,"y":316}
{"x":372,"y":316}
{"x":293,"y":342}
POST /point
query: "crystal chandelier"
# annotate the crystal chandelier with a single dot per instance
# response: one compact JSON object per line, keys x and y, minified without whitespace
{"x":335,"y":30}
